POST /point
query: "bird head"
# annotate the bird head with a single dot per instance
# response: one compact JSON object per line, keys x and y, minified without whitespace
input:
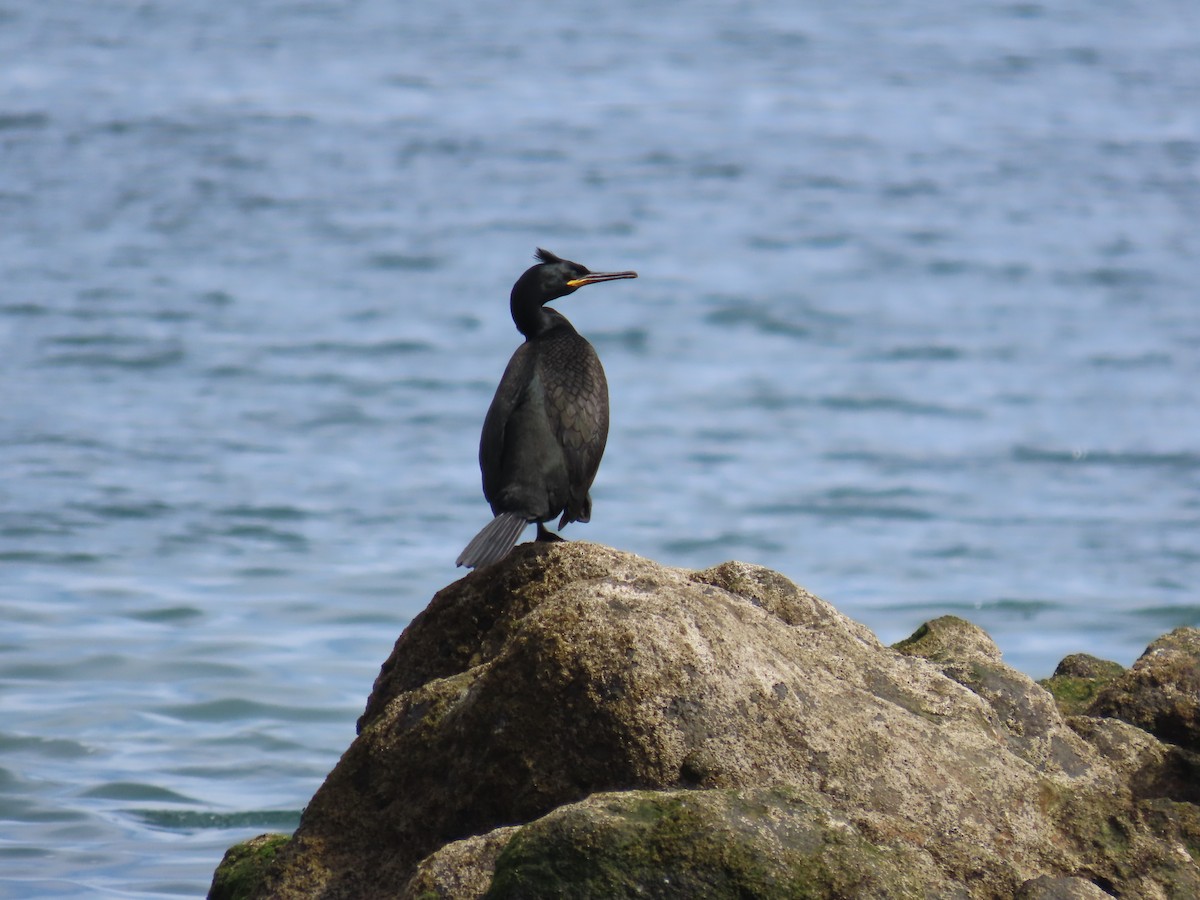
{"x":555,"y":277}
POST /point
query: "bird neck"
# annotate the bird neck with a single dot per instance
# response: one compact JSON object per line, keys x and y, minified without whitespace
{"x":534,"y":320}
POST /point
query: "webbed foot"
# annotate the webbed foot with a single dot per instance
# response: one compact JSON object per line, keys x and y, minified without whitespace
{"x":547,"y":536}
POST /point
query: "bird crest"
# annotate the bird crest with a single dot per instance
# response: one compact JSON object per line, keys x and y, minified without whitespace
{"x":546,"y":256}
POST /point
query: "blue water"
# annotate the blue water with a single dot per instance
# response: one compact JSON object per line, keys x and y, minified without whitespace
{"x":917,"y":325}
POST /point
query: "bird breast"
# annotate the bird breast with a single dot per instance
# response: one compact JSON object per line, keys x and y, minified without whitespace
{"x":575,"y":393}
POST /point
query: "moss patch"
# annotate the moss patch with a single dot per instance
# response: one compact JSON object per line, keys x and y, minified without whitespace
{"x":240,"y":874}
{"x":701,"y":844}
{"x":1074,"y":694}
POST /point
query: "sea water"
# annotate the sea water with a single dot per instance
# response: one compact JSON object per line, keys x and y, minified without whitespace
{"x":917,"y":326}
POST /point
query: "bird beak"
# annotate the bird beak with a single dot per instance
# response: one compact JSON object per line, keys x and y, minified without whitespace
{"x":596,"y":277}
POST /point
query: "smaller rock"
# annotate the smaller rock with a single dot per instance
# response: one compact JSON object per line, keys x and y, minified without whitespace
{"x":1077,"y":681}
{"x":461,"y":870}
{"x":240,"y":874}
{"x":952,"y":643}
{"x":1161,"y":691}
{"x":1151,"y":768}
{"x":1084,"y":665}
{"x":781,"y":598}
{"x":1030,"y":722}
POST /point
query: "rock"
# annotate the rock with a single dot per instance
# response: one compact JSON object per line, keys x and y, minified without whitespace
{"x":1030,"y":722}
{"x":461,"y":870}
{"x":1084,"y":665}
{"x":1077,"y":680}
{"x":1150,"y":768}
{"x":955,"y":644}
{"x":241,"y":873}
{"x":575,"y":721}
{"x":1161,"y":691}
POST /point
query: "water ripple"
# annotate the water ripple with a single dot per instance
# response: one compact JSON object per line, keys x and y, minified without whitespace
{"x":168,"y":615}
{"x":370,"y":349}
{"x":115,"y":352}
{"x":930,"y":353}
{"x":133,"y":790}
{"x":282,"y":513}
{"x":758,"y":318}
{"x":151,"y":509}
{"x":235,"y":708}
{"x":404,"y":262}
{"x":1181,"y":460}
{"x":19,"y":121}
{"x":51,"y":748}
{"x":854,"y":503}
{"x":189,"y":820}
{"x":897,"y":405}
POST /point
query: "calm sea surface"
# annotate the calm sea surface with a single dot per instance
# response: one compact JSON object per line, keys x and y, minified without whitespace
{"x":917,"y":325}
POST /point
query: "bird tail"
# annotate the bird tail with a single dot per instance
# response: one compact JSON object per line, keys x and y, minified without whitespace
{"x":494,"y":541}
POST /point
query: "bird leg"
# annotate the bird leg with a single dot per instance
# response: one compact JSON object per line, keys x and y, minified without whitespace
{"x":544,"y":535}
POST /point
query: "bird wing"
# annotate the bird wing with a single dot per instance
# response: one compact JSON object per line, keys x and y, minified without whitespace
{"x":577,"y":407}
{"x":509,"y":393}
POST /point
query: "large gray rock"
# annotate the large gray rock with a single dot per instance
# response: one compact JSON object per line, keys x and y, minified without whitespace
{"x":579,"y":722}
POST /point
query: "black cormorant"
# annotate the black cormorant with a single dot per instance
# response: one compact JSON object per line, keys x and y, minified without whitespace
{"x":545,"y":431}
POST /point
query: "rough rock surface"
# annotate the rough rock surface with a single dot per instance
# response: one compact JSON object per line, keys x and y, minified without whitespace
{"x":575,"y":721}
{"x":1161,"y":691}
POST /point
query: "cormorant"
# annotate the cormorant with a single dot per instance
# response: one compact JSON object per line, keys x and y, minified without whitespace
{"x":545,"y":431}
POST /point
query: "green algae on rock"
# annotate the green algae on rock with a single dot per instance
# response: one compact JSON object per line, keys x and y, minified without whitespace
{"x":716,"y":844}
{"x":1078,"y":679}
{"x":241,"y":872}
